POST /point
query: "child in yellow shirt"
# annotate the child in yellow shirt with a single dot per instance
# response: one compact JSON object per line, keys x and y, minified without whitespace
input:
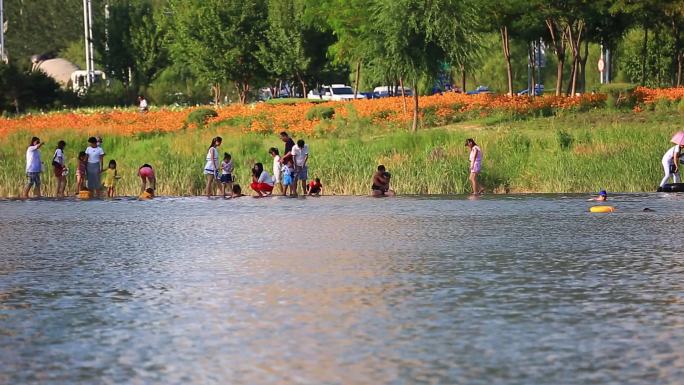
{"x":110,"y":178}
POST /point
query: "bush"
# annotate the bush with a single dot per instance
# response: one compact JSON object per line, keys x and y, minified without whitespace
{"x":199,"y":117}
{"x":619,"y":95}
{"x":320,"y":113}
{"x":564,"y":140}
{"x":680,"y":106}
{"x":21,"y":91}
{"x":663,"y":105}
{"x":110,"y":93}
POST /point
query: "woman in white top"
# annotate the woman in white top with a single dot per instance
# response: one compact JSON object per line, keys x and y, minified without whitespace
{"x":59,"y":168}
{"x":95,"y":166}
{"x":262,"y":183}
{"x":277,"y":168}
{"x":211,"y":166}
{"x":475,"y":158}
{"x":671,"y":164}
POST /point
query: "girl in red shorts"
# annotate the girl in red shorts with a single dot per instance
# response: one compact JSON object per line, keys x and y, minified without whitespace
{"x":262,"y":183}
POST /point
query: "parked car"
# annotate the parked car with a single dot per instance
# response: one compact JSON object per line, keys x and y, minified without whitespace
{"x":335,"y":92}
{"x":538,"y":90}
{"x":386,"y":91}
{"x":479,"y":90}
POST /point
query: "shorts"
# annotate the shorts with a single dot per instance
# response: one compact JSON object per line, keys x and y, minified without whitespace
{"x":315,"y":190}
{"x":301,"y":172}
{"x":146,"y":172}
{"x":256,"y":186}
{"x":476,"y":167}
{"x":226,"y":178}
{"x":32,"y":178}
{"x":379,"y":188}
{"x":287,"y":180}
{"x":58,"y":170}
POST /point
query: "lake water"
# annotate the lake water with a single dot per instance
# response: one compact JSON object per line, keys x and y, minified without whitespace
{"x":500,"y":290}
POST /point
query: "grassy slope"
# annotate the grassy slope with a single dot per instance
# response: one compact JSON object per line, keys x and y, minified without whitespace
{"x":572,"y":152}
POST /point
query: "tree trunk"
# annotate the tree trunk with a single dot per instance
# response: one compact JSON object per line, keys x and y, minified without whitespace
{"x":403,"y":94}
{"x":216,"y":90}
{"x":414,"y":127}
{"x":559,"y":47}
{"x":463,"y":79}
{"x":507,"y":57}
{"x":303,"y":83}
{"x":656,"y":41}
{"x":680,"y":58}
{"x":532,"y":53}
{"x":575,"y":37}
{"x":243,"y":90}
{"x":583,"y":68}
{"x":644,"y":52}
{"x":358,"y":78}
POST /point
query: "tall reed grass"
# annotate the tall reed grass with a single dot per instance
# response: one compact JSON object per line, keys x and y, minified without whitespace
{"x":570,"y":152}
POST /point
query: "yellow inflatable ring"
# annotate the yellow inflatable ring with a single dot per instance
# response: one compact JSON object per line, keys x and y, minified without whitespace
{"x":602,"y":209}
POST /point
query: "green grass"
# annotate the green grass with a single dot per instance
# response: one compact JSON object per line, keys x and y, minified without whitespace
{"x":570,"y":152}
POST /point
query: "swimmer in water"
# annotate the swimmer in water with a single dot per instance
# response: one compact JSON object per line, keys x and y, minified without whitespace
{"x":602,"y":197}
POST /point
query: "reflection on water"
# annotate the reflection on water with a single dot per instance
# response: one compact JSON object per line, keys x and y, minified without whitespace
{"x":514,"y":290}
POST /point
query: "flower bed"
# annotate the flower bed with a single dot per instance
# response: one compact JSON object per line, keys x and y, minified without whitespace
{"x":265,"y":117}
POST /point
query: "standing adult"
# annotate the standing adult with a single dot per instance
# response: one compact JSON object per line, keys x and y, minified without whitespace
{"x":142,"y":104}
{"x":300,"y":153}
{"x":289,"y":143}
{"x":671,"y":164}
{"x":277,"y":168}
{"x":95,"y":166}
{"x":475,"y":158}
{"x":211,"y":167}
{"x":146,"y":174}
{"x":59,"y":168}
{"x":33,"y":167}
{"x":262,"y":183}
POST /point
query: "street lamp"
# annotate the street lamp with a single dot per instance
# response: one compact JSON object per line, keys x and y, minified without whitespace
{"x":3,"y":56}
{"x":88,"y":33}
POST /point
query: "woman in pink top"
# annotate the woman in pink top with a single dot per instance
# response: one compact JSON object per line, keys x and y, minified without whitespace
{"x":475,"y":165}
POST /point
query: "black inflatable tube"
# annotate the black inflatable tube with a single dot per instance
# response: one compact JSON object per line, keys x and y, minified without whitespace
{"x":672,"y":187}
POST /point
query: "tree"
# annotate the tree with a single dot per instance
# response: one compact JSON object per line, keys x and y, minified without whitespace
{"x":349,"y":22}
{"x":148,"y":48}
{"x":41,"y":27}
{"x":283,"y":53}
{"x":219,"y":40}
{"x":413,"y":37}
{"x":500,"y":16}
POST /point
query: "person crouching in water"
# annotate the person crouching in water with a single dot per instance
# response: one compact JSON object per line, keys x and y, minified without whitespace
{"x":670,"y":162}
{"x":262,"y":183}
{"x":146,"y":174}
{"x":315,"y":187}
{"x":381,"y":183}
{"x":110,"y":178}
{"x":475,"y":158}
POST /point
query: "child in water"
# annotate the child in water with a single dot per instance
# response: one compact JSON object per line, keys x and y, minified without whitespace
{"x":602,"y":197}
{"x":81,"y":171}
{"x":315,"y":187}
{"x":237,"y":191}
{"x":288,"y":170}
{"x":147,"y":194}
{"x":226,"y":173}
{"x":110,"y":178}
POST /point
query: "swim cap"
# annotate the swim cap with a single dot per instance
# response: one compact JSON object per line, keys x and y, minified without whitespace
{"x":603,"y":193}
